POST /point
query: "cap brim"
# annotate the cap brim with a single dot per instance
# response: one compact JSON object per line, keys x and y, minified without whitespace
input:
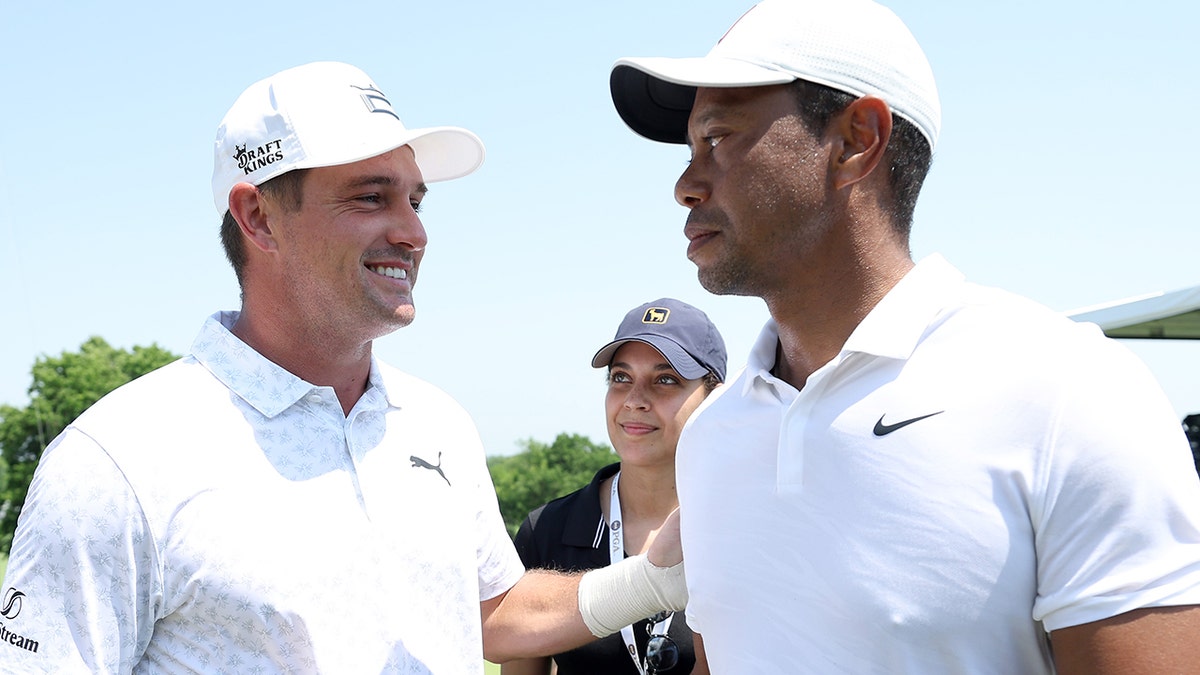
{"x":441,"y":153}
{"x":446,"y":153}
{"x":683,"y":363}
{"x":654,"y":95}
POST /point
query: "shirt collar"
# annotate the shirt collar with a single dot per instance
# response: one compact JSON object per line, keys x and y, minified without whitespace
{"x":892,"y":329}
{"x":584,"y":517}
{"x":762,"y":358}
{"x":261,"y":383}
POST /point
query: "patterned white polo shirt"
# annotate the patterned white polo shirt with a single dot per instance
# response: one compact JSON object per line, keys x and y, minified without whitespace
{"x":222,"y":515}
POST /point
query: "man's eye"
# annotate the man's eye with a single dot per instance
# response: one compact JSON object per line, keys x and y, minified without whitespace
{"x":416,"y":206}
{"x":714,"y":140}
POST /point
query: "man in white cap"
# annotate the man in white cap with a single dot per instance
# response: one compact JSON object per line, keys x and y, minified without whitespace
{"x":913,"y":474}
{"x":279,"y":500}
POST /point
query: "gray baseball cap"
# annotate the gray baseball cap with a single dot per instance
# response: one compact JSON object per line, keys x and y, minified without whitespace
{"x":681,"y":333}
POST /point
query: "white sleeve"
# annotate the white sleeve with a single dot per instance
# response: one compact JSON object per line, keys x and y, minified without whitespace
{"x":1117,"y":511}
{"x":500,"y":568}
{"x":82,"y":576}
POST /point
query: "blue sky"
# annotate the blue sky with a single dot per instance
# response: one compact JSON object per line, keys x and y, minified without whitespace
{"x":1062,"y":173}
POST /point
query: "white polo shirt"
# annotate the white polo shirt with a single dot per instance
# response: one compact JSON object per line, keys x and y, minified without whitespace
{"x":222,"y":515}
{"x":969,"y":473}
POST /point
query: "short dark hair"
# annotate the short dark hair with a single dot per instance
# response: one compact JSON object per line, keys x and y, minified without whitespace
{"x":287,"y":189}
{"x":908,"y":154}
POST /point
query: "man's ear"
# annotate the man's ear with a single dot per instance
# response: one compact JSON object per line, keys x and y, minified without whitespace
{"x":252,"y":212}
{"x":863,"y":130}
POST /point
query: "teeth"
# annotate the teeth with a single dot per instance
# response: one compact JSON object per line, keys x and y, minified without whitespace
{"x":393,"y":272}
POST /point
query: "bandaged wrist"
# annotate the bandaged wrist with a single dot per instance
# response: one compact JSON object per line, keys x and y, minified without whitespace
{"x":613,"y":597}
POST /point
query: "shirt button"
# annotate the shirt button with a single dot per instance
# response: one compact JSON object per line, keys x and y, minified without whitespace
{"x":315,"y":398}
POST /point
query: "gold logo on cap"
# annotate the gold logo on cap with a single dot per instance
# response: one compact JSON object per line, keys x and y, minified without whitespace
{"x":656,"y":315}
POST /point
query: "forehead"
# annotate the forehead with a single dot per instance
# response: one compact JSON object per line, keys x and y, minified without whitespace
{"x":395,"y":167}
{"x":741,"y":103}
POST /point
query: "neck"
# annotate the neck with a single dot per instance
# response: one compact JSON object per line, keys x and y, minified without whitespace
{"x":312,"y":358}
{"x":647,"y":494}
{"x":647,"y":498}
{"x":816,"y":316}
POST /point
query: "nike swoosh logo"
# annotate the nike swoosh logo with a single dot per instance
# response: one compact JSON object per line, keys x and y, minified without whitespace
{"x":882,"y":429}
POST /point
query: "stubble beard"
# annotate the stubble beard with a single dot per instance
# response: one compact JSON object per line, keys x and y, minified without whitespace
{"x":393,"y":317}
{"x":404,"y":316}
{"x":729,"y":273}
{"x":727,"y":277}
{"x":756,"y":272}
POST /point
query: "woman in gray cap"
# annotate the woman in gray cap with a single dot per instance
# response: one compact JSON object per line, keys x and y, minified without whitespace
{"x":665,"y":359}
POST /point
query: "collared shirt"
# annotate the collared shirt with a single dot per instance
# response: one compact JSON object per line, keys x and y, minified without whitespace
{"x":570,"y":534}
{"x":222,"y":515}
{"x":971,"y":471}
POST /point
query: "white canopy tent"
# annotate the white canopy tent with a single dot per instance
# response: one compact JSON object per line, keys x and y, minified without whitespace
{"x":1157,"y":316}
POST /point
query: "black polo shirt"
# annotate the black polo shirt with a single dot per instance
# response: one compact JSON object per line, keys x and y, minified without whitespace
{"x":569,"y":534}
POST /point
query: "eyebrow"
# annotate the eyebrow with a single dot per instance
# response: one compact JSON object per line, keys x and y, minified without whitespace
{"x":626,"y":366}
{"x":708,"y":115}
{"x":367,"y":181}
{"x":714,"y":111}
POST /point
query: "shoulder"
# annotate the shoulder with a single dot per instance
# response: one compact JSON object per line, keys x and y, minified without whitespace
{"x":1021,"y":321}
{"x":539,"y":540}
{"x":578,"y":510}
{"x":413,"y":393}
{"x":727,"y":402}
{"x":402,"y":384}
{"x":567,"y":531}
{"x":1024,"y":338}
{"x":554,"y":514}
{"x":179,"y":393}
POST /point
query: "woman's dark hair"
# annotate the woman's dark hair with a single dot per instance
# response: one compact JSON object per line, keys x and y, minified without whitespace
{"x":711,"y":382}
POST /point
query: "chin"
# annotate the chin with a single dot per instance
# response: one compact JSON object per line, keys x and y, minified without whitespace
{"x":724,"y":281}
{"x":401,"y":315}
{"x":387,"y":324}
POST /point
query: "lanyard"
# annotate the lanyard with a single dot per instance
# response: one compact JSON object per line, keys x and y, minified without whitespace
{"x":616,"y":553}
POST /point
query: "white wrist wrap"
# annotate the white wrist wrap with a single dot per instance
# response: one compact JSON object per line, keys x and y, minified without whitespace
{"x":613,"y":597}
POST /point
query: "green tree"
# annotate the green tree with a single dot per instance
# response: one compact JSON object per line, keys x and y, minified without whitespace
{"x":62,"y":388}
{"x":543,"y":472}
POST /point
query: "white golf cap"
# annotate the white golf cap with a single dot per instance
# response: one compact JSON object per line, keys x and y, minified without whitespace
{"x":855,"y":46}
{"x":325,"y":114}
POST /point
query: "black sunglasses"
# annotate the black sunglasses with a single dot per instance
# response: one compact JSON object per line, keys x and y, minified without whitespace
{"x":661,"y":651}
